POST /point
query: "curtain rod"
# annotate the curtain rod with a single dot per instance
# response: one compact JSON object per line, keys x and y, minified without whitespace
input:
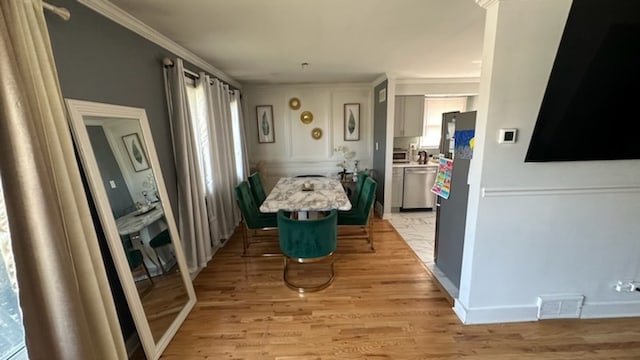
{"x":60,"y":11}
{"x":166,"y":62}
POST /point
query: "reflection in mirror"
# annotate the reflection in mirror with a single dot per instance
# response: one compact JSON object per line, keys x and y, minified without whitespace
{"x":123,"y":171}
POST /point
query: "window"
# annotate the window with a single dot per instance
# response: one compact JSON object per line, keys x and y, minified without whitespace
{"x":237,"y":137}
{"x":197,"y":108}
{"x":12,"y":345}
{"x":434,"y":107}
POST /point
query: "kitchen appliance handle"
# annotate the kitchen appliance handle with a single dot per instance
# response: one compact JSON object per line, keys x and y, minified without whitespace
{"x":420,"y":171}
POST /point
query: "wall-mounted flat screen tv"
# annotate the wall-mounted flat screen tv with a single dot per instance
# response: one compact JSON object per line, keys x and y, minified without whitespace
{"x":589,"y":107}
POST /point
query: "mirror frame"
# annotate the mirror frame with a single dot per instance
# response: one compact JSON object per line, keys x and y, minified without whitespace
{"x":78,"y":109}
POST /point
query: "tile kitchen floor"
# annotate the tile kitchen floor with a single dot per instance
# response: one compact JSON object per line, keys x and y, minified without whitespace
{"x":418,"y":230}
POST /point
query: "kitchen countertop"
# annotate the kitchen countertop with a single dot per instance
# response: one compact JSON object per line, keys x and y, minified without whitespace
{"x":415,"y":164}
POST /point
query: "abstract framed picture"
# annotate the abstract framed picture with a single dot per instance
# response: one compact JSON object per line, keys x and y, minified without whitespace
{"x":264,"y":118}
{"x":136,"y":152}
{"x":352,"y":122}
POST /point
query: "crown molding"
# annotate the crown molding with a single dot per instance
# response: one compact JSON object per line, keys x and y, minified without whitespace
{"x":112,"y":12}
{"x":379,"y":80}
{"x":452,"y":80}
{"x":486,"y":3}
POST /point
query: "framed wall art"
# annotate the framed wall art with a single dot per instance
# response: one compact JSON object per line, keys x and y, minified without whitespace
{"x":264,"y":118}
{"x":352,"y":122}
{"x":136,"y":152}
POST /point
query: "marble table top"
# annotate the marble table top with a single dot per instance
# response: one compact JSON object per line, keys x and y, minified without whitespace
{"x":136,"y":221}
{"x":288,"y":195}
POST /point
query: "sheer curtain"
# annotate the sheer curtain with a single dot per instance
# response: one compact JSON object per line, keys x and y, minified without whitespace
{"x":67,"y":304}
{"x":242,"y":159}
{"x":193,"y":224}
{"x":224,"y":178}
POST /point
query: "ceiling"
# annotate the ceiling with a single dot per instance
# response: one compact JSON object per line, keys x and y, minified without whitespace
{"x":257,"y":41}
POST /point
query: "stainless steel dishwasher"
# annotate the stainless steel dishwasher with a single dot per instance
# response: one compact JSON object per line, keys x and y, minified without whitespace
{"x":417,"y":188}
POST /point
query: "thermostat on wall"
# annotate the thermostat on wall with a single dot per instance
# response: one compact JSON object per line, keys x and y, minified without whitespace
{"x":507,"y":136}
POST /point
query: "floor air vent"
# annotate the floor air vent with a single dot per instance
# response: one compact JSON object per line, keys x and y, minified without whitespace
{"x":560,"y":306}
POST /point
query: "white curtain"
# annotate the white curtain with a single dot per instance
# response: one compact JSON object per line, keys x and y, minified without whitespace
{"x":192,"y":212}
{"x":220,"y":187}
{"x":67,"y":304}
{"x":243,"y":138}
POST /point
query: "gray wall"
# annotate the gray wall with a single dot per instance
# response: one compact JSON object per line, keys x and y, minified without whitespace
{"x":99,"y":60}
{"x":379,"y":137}
{"x":119,"y":198}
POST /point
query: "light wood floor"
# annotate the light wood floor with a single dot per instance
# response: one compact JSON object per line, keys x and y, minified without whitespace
{"x":382,"y":305}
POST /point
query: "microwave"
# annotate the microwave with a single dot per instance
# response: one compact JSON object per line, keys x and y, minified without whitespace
{"x":400,"y":156}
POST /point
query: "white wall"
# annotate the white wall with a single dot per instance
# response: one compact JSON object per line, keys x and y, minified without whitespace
{"x":540,"y":228}
{"x":295,"y":152}
{"x":443,"y":86}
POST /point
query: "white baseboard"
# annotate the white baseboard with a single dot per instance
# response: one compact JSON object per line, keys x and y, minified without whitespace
{"x":611,"y":309}
{"x":488,"y":315}
{"x":378,"y":208}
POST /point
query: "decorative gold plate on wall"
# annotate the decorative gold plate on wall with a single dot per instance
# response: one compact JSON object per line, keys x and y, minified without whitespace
{"x":306,"y":117}
{"x":294,"y":103}
{"x":316,"y":133}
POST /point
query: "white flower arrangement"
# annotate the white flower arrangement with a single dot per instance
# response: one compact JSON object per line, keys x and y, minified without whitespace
{"x":347,"y":156}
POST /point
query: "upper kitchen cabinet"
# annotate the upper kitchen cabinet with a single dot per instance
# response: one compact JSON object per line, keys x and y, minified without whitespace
{"x":409,"y":115}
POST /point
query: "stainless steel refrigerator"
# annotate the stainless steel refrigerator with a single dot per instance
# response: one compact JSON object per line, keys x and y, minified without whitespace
{"x":451,"y":213}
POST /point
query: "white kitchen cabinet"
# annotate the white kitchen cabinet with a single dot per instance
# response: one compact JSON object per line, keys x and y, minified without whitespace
{"x":397,"y":181}
{"x":409,"y":115}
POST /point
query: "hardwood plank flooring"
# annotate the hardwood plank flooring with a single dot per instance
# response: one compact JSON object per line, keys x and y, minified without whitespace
{"x":382,"y":305}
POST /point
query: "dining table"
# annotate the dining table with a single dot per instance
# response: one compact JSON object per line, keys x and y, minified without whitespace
{"x":306,"y":194}
{"x":131,"y":225}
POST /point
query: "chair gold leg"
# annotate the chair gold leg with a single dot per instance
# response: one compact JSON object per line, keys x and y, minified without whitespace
{"x":245,"y":239}
{"x":146,"y":270}
{"x":249,"y":237}
{"x":303,"y":289}
{"x":159,"y":262}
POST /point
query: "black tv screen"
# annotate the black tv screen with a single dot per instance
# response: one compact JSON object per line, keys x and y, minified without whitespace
{"x":588,"y":110}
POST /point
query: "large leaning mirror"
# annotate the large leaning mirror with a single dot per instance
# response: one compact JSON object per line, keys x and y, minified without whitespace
{"x":122,"y":168}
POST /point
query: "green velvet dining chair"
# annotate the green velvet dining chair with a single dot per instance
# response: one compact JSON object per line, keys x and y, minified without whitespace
{"x":307,"y":241}
{"x":355,"y":195}
{"x":257,"y":190}
{"x":360,"y":216}
{"x":135,"y":259}
{"x":258,"y":226}
{"x":159,"y":241}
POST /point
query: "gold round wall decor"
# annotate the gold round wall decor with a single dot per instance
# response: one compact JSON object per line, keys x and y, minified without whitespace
{"x":306,"y":117}
{"x":294,"y":103}
{"x":316,"y":133}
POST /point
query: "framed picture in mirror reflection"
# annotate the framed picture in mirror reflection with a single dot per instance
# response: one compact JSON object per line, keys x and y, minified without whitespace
{"x":136,"y":152}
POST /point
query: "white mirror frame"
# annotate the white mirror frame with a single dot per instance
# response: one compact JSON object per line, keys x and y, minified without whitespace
{"x":78,"y":109}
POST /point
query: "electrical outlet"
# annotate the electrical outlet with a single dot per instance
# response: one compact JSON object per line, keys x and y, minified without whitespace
{"x":625,"y":286}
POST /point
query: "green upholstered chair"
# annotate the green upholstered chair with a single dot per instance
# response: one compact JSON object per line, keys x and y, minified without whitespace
{"x":136,"y":260}
{"x":158,"y":241}
{"x":307,"y":241}
{"x":361,"y":214}
{"x":257,"y":190}
{"x":355,"y":196}
{"x":258,"y":226}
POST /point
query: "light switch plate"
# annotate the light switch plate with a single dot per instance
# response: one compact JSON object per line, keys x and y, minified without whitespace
{"x":507,"y":136}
